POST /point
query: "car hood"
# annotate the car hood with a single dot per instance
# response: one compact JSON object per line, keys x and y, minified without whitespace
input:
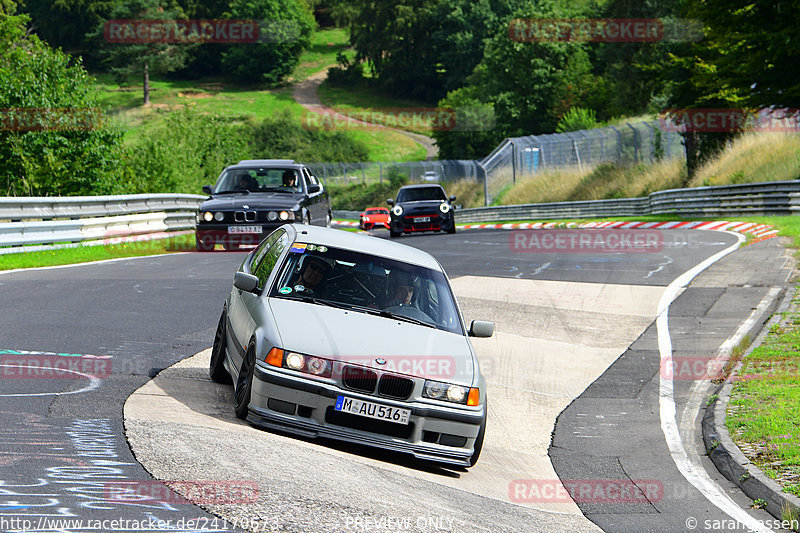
{"x":253,"y":201}
{"x":360,"y":338}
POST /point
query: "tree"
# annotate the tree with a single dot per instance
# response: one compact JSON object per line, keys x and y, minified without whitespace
{"x":141,"y":56}
{"x":425,"y":48}
{"x":755,"y":51}
{"x":53,"y":140}
{"x":63,"y":23}
{"x":286,"y":27}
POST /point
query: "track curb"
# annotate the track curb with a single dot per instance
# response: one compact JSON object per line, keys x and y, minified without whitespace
{"x":729,"y":460}
{"x":759,"y":231}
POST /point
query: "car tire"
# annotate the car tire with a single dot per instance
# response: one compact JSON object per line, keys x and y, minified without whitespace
{"x":244,"y":383}
{"x":307,"y":219}
{"x":328,"y":220}
{"x":452,"y":229}
{"x":476,"y":453}
{"x":393,"y":233}
{"x":216,"y":368}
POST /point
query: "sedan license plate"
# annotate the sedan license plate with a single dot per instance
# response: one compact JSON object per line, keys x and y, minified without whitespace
{"x":422,"y":219}
{"x":244,"y":229}
{"x":372,"y":410}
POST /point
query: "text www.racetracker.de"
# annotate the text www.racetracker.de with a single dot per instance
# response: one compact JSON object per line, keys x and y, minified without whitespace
{"x":43,"y":523}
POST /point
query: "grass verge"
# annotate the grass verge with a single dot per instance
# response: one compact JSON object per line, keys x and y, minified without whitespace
{"x":764,"y":410}
{"x":86,"y":254}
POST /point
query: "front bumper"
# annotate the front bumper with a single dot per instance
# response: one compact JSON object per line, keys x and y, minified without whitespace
{"x":437,"y":222}
{"x":305,"y":407}
{"x":207,"y":235}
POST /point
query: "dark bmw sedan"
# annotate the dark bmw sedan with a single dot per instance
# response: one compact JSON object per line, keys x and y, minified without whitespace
{"x":421,"y":208}
{"x":253,"y":197}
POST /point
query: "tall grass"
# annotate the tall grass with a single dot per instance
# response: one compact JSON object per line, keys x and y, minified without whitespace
{"x":753,"y":157}
{"x":596,"y":183}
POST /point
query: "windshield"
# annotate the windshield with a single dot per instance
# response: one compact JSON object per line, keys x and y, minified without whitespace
{"x":377,"y":211}
{"x":368,"y":284}
{"x":258,"y":180}
{"x":420,"y":194}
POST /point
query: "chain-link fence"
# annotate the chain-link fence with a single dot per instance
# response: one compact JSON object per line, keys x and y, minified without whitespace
{"x":416,"y":171}
{"x":519,"y":157}
{"x":625,"y":144}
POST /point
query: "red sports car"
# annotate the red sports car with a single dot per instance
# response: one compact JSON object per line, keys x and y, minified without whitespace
{"x":374,"y":216}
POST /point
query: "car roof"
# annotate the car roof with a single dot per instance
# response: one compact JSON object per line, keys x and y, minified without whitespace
{"x":266,"y":163}
{"x":363,"y":243}
{"x":422,"y":186}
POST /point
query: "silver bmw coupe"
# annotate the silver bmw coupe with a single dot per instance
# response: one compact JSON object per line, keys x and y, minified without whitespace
{"x":328,"y":333}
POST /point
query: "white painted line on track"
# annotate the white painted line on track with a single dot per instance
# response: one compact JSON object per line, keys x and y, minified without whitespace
{"x":94,"y":382}
{"x":700,"y":387}
{"x":694,"y":474}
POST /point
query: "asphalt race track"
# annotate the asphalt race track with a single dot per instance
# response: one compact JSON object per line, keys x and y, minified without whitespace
{"x":578,"y":393}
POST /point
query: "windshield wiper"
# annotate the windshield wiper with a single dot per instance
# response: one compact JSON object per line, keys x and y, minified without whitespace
{"x":387,"y":314}
{"x":319,"y":301}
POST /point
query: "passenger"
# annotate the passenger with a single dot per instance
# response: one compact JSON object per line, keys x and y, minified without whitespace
{"x":246,"y":183}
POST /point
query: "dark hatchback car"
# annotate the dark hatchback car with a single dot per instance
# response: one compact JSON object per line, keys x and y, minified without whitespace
{"x":253,"y":197}
{"x":421,"y":208}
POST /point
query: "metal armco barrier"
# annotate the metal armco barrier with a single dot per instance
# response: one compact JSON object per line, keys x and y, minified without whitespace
{"x":75,"y":220}
{"x":769,"y":198}
{"x":79,"y":219}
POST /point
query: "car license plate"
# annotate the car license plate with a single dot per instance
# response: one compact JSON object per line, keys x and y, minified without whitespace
{"x":422,"y":219}
{"x":372,"y":410}
{"x":244,"y":229}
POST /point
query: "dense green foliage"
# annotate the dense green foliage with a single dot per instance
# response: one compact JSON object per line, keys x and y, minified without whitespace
{"x":189,"y":149}
{"x":577,"y":118}
{"x":53,"y":140}
{"x":287,"y":26}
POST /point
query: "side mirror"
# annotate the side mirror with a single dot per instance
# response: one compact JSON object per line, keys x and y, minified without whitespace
{"x":390,"y":201}
{"x":207,"y":189}
{"x":313,"y":188}
{"x":453,"y":198}
{"x":481,"y":328}
{"x":245,"y":282}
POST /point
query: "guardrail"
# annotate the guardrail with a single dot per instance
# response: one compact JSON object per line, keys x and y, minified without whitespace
{"x":71,"y":221}
{"x":769,"y":198}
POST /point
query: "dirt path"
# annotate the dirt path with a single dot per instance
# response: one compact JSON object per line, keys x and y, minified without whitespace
{"x":305,"y":94}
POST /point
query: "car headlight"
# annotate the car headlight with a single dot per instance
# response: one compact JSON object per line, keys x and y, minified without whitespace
{"x":272,"y":216}
{"x":208,"y":216}
{"x":397,"y":210}
{"x":284,"y":215}
{"x":218,"y":216}
{"x":444,"y":207}
{"x":449,"y":392}
{"x":308,"y":364}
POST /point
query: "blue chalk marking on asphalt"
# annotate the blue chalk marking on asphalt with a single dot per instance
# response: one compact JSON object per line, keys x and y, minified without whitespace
{"x":11,"y":508}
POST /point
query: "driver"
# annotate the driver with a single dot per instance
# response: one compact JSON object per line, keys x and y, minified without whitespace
{"x":289,"y":179}
{"x":311,"y":274}
{"x":400,"y":291}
